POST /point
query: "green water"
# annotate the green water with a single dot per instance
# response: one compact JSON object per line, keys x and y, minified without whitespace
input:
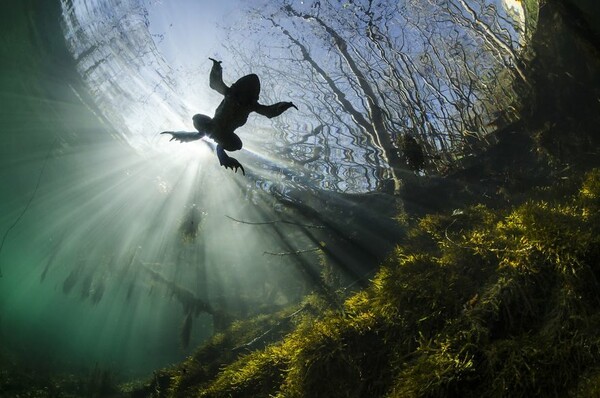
{"x":50,"y":133}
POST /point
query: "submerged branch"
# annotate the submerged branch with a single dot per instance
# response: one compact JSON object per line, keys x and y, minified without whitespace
{"x":255,"y":341}
{"x":314,"y":249}
{"x":188,"y":300}
{"x":275,"y":222}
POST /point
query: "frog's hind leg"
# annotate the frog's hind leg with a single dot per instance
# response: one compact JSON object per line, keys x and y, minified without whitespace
{"x":232,"y":143}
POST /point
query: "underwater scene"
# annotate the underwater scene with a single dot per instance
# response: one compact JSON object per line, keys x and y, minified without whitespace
{"x":284,"y":198}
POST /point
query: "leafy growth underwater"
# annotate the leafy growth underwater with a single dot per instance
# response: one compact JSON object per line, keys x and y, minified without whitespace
{"x":480,"y":303}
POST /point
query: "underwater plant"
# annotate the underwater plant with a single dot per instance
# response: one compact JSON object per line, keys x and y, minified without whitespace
{"x":477,"y":303}
{"x":190,"y":225}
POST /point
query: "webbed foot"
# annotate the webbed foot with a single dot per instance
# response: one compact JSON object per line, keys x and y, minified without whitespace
{"x":233,"y":164}
{"x":182,"y":136}
{"x":287,"y":105}
{"x":228,"y":162}
{"x":215,"y":62}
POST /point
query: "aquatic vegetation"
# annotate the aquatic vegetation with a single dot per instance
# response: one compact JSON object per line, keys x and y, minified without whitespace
{"x":71,"y":280}
{"x":23,"y":379}
{"x":101,"y":383}
{"x":192,"y":306}
{"x":223,"y":348}
{"x":186,"y":330}
{"x":190,"y":225}
{"x":98,"y":292}
{"x":478,"y":303}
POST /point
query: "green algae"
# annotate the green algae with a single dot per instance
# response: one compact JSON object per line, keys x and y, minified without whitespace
{"x":479,"y":303}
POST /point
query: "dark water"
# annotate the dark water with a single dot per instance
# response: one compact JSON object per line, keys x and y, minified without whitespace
{"x":120,"y":249}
